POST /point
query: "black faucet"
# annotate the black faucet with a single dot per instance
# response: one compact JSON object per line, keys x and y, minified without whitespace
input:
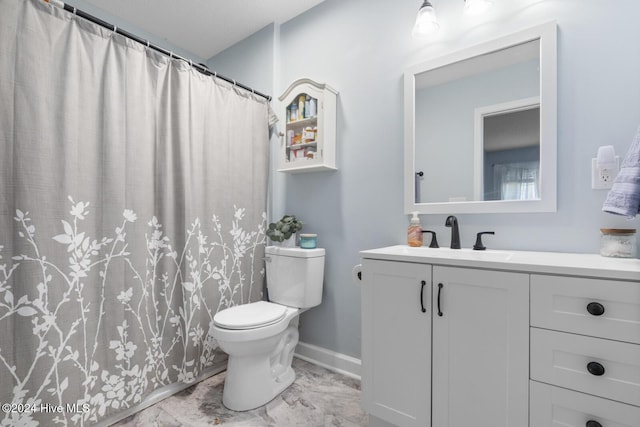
{"x":434,"y":241}
{"x":479,"y":246}
{"x":452,"y":222}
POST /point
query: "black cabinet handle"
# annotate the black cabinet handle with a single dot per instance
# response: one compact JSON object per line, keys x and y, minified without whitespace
{"x":424,"y":310}
{"x":595,"y":368}
{"x":592,"y":423}
{"x":595,"y":308}
{"x":440,"y":285}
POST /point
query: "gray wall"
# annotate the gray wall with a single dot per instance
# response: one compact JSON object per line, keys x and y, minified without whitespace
{"x":361,"y":48}
{"x":256,"y":69}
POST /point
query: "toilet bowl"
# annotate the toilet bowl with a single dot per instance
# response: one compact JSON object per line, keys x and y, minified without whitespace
{"x":260,"y":338}
{"x":259,"y":365}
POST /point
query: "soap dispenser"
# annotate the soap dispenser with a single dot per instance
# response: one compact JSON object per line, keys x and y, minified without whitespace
{"x":414,"y":233}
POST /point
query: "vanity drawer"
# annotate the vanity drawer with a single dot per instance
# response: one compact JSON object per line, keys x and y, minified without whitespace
{"x":558,"y":407}
{"x":563,"y":304}
{"x":574,"y":361}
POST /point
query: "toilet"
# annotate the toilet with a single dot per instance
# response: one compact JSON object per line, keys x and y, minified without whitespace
{"x":260,"y":338}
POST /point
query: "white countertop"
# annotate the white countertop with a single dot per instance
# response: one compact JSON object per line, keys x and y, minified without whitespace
{"x":591,"y":265}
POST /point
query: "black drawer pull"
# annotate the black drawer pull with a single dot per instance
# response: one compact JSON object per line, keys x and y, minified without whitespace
{"x":595,"y":308}
{"x":592,"y":423}
{"x":595,"y":368}
{"x":440,"y":285}
{"x":424,"y":310}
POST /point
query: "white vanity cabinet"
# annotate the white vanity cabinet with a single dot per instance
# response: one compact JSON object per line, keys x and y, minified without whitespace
{"x":556,"y":406}
{"x":585,"y":351}
{"x":396,"y":342}
{"x":479,"y":373}
{"x":308,"y":142}
{"x":480,"y":348}
{"x":511,"y":339}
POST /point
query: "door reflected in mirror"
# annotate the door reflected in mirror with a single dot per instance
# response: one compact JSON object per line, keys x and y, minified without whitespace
{"x":507,"y":147}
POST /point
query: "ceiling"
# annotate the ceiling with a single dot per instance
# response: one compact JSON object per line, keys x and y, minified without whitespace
{"x":203,"y":27}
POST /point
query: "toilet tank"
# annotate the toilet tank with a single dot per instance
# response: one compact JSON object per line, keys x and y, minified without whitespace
{"x":295,"y":276}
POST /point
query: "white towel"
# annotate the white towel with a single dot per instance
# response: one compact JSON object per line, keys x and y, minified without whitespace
{"x":624,"y":196}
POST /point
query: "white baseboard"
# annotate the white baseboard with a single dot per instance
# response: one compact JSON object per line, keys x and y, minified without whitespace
{"x":336,"y":362}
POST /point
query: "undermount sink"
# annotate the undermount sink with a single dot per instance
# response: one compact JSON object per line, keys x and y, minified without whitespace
{"x":462,"y":254}
{"x":486,"y":255}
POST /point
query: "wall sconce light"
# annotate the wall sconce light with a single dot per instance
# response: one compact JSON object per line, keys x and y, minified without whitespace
{"x":427,"y":21}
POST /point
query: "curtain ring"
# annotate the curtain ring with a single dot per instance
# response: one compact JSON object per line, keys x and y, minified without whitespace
{"x":148,"y":44}
{"x":170,"y":55}
{"x":234,"y":81}
{"x":115,"y":30}
{"x":74,"y":10}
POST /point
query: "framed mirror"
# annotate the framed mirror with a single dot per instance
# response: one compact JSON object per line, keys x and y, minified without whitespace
{"x":481,"y":127}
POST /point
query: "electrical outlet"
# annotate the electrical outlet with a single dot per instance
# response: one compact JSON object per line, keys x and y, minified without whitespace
{"x":602,"y":179}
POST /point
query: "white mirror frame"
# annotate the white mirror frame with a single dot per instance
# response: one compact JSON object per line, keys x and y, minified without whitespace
{"x":547,"y":34}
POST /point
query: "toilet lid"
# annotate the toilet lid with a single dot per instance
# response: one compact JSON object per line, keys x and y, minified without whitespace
{"x":249,"y":316}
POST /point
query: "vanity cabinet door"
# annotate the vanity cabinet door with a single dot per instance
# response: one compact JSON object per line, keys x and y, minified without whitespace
{"x":480,"y":348}
{"x":396,"y":341}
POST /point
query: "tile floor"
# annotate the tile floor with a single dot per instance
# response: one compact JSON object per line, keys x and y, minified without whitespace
{"x":318,"y":397}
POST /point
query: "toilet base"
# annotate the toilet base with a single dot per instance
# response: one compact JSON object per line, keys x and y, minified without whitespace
{"x":254,"y":380}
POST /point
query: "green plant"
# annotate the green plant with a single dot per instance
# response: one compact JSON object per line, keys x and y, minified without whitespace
{"x":284,"y":229}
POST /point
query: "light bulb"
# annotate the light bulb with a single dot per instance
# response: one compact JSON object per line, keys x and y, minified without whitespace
{"x":426,"y":21}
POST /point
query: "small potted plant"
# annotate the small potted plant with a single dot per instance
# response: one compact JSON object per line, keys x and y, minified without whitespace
{"x":282,"y":231}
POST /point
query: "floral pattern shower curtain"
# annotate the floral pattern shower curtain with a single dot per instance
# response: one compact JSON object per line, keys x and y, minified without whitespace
{"x":132,"y":209}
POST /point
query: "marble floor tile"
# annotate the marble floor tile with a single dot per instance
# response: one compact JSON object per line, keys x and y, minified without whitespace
{"x":318,"y":397}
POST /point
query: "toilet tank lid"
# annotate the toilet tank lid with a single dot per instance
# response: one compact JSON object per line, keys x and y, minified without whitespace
{"x":294,"y":252}
{"x":249,"y":316}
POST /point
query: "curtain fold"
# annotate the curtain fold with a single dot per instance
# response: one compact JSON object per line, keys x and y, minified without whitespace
{"x":132,"y":209}
{"x":517,"y":181}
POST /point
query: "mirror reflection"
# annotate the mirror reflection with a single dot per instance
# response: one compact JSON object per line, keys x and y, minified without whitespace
{"x":508,"y":142}
{"x":477,"y":128}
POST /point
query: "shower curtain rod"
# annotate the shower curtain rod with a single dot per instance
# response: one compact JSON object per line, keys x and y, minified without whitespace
{"x":200,"y":67}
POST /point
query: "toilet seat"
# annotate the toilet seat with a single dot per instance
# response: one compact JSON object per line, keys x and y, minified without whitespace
{"x":250,"y":316}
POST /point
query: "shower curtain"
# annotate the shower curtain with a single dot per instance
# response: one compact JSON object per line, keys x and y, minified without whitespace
{"x":132,"y":209}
